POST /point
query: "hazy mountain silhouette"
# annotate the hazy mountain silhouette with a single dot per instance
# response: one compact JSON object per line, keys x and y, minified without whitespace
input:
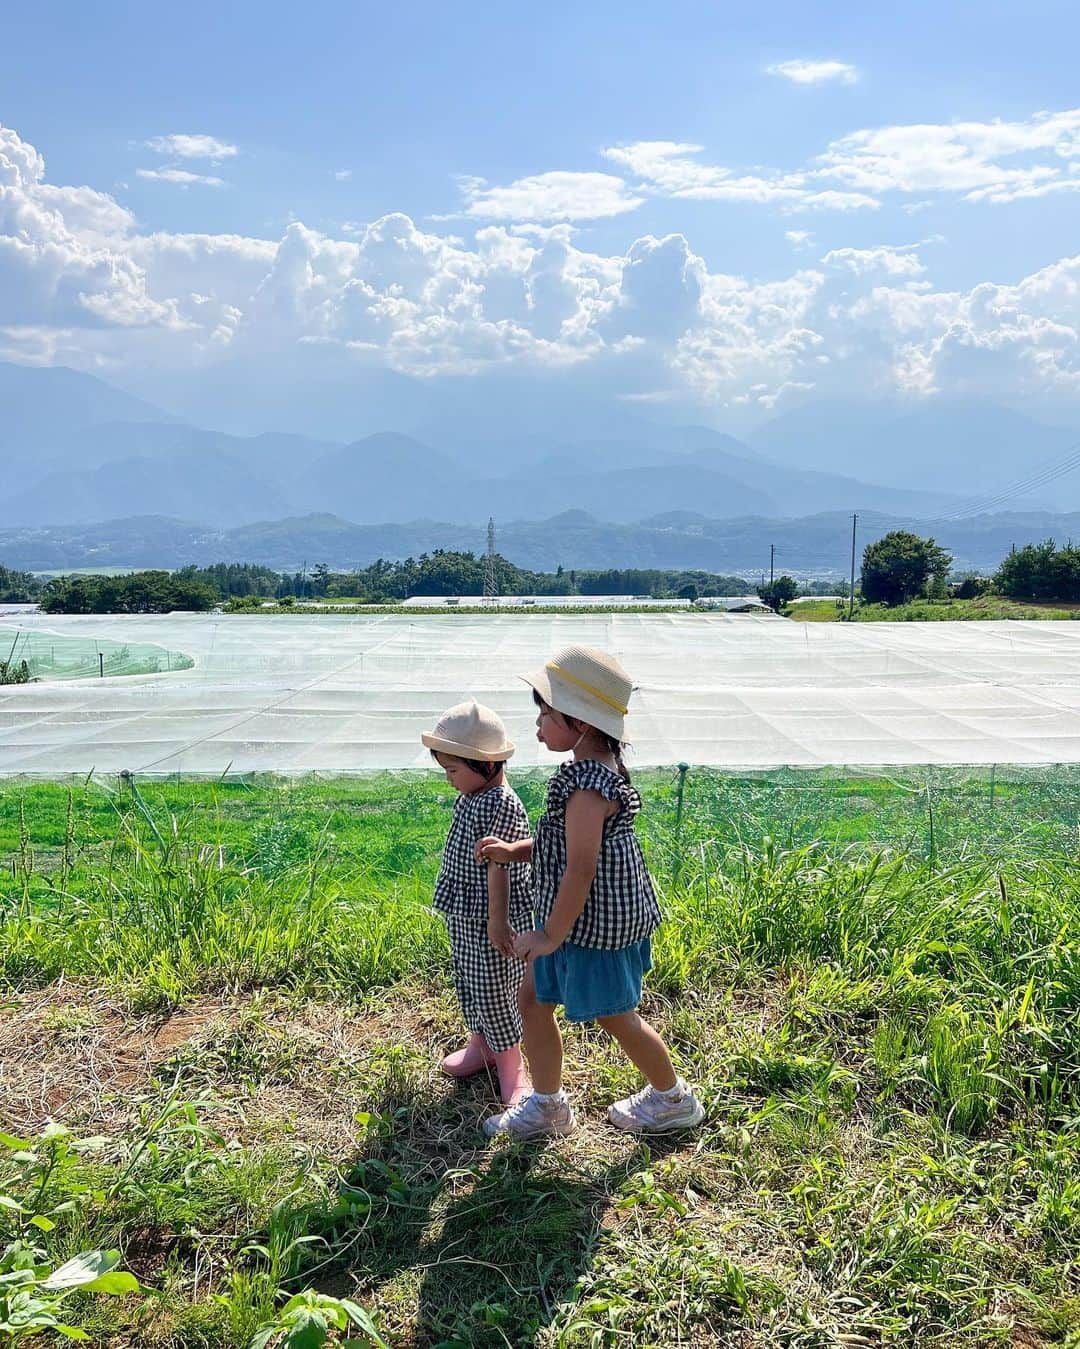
{"x":76,"y":451}
{"x":943,"y":445}
{"x":174,"y":484}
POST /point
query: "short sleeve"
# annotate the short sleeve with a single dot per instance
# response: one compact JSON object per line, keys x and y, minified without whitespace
{"x":502,"y":815}
{"x":585,"y":775}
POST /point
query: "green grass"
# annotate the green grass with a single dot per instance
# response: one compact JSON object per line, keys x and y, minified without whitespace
{"x":239,"y":988}
{"x":932,"y":611}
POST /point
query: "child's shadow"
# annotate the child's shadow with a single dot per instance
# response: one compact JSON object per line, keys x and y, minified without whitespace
{"x":470,"y":1242}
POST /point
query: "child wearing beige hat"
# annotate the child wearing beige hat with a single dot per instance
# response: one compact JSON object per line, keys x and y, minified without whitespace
{"x":485,"y":902}
{"x":595,"y":908}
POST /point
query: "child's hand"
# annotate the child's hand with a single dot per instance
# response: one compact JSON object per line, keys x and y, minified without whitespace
{"x":501,"y":935}
{"x":536,"y":943}
{"x":492,"y":849}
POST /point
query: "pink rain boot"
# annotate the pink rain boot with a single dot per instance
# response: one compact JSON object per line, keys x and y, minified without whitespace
{"x":473,"y":1058}
{"x":514,"y":1083}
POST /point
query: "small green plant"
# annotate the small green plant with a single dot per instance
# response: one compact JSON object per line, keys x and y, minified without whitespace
{"x":32,"y":1290}
{"x":306,"y":1320}
{"x":32,"y":1294}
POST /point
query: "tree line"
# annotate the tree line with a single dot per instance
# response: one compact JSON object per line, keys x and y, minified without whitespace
{"x":441,"y":572}
{"x":897,"y":568}
{"x":901,"y":567}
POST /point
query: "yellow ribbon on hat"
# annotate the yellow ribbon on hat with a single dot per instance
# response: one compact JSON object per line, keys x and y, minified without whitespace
{"x":596,"y":693}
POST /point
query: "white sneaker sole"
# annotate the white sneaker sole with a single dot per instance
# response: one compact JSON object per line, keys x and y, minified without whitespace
{"x":628,"y":1124}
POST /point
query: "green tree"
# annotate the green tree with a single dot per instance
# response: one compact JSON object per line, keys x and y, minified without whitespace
{"x":18,"y":587}
{"x":779,"y":593}
{"x":1040,"y":571}
{"x":902,"y":566}
{"x":320,"y":578}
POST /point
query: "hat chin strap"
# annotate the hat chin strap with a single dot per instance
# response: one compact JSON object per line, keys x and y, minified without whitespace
{"x":581,"y":737}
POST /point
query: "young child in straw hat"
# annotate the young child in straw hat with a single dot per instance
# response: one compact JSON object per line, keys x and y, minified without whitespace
{"x":485,"y":901}
{"x":594,"y":904}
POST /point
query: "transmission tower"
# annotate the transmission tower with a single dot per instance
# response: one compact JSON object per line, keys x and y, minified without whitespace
{"x":491,"y":589}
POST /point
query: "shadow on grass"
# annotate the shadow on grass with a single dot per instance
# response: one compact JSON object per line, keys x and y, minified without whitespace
{"x":459,"y":1242}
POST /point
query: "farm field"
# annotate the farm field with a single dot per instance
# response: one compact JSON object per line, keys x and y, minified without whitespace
{"x":233,"y":995}
{"x":348,"y":694}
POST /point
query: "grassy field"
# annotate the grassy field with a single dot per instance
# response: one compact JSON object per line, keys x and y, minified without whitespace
{"x":932,"y":611}
{"x":229,"y":999}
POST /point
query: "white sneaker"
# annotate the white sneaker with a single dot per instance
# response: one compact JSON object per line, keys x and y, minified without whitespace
{"x":651,"y":1112}
{"x":533,"y":1117}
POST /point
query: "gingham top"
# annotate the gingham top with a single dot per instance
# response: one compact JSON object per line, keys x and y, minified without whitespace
{"x":622,"y":907}
{"x":461,"y":886}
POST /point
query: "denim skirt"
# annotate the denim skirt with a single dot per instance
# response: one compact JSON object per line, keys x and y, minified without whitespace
{"x":590,"y":983}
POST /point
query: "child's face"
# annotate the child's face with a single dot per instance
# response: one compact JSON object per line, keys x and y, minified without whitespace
{"x":554,"y":731}
{"x":460,"y":776}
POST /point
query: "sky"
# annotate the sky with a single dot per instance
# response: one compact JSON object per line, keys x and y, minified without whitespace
{"x":717,"y":210}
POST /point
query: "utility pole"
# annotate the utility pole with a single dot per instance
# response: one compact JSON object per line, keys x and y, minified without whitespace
{"x":772,"y":564}
{"x":851,"y":593}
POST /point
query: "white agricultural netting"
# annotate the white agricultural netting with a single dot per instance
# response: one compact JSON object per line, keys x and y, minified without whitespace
{"x":296,"y":693}
{"x":48,"y":655}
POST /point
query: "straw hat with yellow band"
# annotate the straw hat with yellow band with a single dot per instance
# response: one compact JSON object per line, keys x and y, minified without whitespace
{"x":588,"y":685}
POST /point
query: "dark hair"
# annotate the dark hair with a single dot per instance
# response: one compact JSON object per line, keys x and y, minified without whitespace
{"x":611,"y":744}
{"x":485,"y":768}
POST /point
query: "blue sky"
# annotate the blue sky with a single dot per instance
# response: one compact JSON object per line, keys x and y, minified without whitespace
{"x":765,"y":137}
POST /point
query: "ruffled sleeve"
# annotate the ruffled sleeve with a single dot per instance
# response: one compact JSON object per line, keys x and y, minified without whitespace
{"x":586,"y":775}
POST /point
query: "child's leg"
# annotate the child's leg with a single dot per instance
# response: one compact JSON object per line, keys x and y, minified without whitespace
{"x":543,"y":1043}
{"x":643,"y":1046}
{"x":475,"y":1055}
{"x":667,"y":1104}
{"x":495,"y":981}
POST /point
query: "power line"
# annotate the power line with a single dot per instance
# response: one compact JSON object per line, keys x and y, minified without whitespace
{"x":1048,"y":474}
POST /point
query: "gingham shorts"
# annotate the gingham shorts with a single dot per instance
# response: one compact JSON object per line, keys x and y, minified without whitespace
{"x":486,"y":982}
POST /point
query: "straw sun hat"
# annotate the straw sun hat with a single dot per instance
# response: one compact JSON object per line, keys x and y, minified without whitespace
{"x":470,"y":731}
{"x":586,"y":684}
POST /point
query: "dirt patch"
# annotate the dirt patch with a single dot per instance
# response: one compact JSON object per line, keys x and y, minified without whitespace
{"x":72,"y":1054}
{"x":292,"y":1067}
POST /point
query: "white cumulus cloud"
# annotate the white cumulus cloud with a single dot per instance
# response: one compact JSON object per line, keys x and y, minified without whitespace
{"x":181,"y":177}
{"x":647,"y":319}
{"x":815,"y":72}
{"x":671,"y":169}
{"x":984,"y":161}
{"x":182,"y":146}
{"x":558,"y":195}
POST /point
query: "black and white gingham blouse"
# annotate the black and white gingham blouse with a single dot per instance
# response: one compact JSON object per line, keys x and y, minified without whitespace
{"x":621,"y":908}
{"x":461,"y":886}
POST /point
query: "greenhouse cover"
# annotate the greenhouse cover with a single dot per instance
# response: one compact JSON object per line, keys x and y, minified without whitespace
{"x":296,"y":693}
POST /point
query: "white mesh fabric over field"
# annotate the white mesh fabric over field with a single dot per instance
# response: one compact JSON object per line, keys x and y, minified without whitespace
{"x":352,"y":693}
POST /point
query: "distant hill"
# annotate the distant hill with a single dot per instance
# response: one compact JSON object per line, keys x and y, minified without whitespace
{"x":944,"y":445}
{"x":79,"y":452}
{"x":812,"y":544}
{"x":196,"y":483}
{"x":43,"y":403}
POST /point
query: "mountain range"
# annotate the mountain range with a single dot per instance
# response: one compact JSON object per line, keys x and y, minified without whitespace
{"x":78,"y":451}
{"x":809,"y":545}
{"x":93,"y":476}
